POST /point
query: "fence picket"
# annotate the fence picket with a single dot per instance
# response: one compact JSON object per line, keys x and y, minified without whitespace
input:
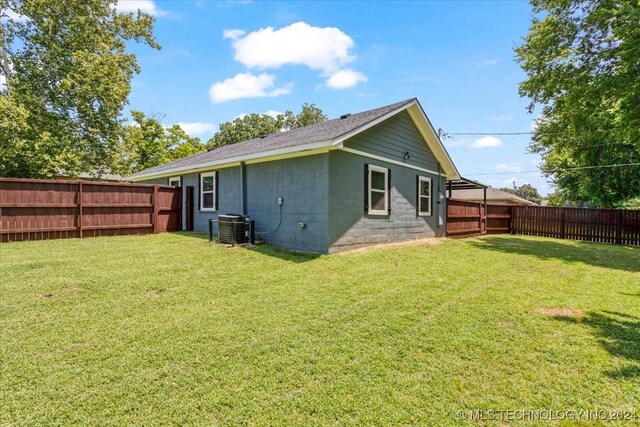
{"x":597,"y":225}
{"x":34,"y":209}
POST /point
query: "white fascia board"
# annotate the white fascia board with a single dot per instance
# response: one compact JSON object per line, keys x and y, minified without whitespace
{"x":287,"y":152}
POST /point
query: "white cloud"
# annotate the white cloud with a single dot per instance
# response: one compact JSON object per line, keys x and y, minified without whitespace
{"x":273,"y":113}
{"x":197,"y":128}
{"x":344,"y":79}
{"x":3,"y":80}
{"x":327,"y":50}
{"x":146,"y":6}
{"x":246,"y":85}
{"x":486,"y":62}
{"x":486,"y":142}
{"x":501,"y":118}
{"x":233,"y":34}
{"x":508,"y":167}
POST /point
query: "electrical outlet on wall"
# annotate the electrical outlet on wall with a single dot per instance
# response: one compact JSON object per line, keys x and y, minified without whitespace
{"x":280,"y":201}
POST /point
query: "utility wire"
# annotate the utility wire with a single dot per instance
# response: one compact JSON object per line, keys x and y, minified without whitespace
{"x":556,"y":170}
{"x":492,"y":133}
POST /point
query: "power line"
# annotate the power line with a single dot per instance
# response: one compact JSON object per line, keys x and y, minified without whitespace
{"x":490,"y":133}
{"x":451,"y":134}
{"x":556,"y":170}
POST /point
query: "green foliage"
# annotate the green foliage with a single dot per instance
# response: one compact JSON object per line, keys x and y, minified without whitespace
{"x":581,"y":60}
{"x":555,"y":199}
{"x":526,"y":191}
{"x":147,"y":143}
{"x":164,"y":330}
{"x":633,"y":203}
{"x":68,"y":78}
{"x":256,"y":125}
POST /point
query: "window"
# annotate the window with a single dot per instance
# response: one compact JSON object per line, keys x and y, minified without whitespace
{"x":424,"y":196}
{"x":378,"y":191}
{"x":175,"y":181}
{"x":208,"y":191}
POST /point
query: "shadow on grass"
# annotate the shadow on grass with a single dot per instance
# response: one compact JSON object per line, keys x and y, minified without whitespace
{"x":265,"y":249}
{"x":191,"y":234}
{"x":595,"y":254}
{"x":619,"y":334}
{"x":284,"y":254}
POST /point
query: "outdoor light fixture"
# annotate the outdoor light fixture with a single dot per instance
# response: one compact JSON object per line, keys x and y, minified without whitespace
{"x":407,"y":156}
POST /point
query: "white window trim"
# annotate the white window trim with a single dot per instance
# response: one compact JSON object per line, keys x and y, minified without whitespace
{"x":422,"y":179}
{"x":213,"y":191}
{"x":176,"y":178}
{"x":385,"y":171}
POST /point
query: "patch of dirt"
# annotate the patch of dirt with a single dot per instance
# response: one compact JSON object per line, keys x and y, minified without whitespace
{"x":431,"y":241}
{"x":156,"y":291}
{"x":562,"y":312}
{"x":49,"y":295}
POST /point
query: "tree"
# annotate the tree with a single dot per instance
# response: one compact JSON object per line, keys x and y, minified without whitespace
{"x":526,"y":191}
{"x":147,"y":143}
{"x":581,"y":60}
{"x":243,"y":128}
{"x":256,"y":125}
{"x":309,"y":115}
{"x":67,"y":78}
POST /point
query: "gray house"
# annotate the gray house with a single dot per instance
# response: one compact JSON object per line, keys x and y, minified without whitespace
{"x":372,"y":177}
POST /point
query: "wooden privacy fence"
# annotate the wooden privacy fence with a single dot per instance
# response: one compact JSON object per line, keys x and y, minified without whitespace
{"x":35,"y":209}
{"x":596,"y":225}
{"x":466,"y":218}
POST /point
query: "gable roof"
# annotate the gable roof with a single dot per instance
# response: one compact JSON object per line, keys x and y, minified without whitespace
{"x":326,"y":134}
{"x":493,"y":194}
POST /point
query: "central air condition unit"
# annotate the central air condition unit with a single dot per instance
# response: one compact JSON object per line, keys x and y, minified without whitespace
{"x":232,"y":229}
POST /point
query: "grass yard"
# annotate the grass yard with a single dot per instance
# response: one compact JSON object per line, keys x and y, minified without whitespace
{"x":164,"y":329}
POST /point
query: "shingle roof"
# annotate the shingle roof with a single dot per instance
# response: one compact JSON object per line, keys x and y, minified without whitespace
{"x":324,"y":131}
{"x":493,"y":194}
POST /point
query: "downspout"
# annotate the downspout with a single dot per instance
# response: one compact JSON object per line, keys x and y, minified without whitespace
{"x":439,"y":233}
{"x":243,"y":188}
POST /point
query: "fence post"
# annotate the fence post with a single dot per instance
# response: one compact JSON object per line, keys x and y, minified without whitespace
{"x":562,"y":223}
{"x":155,"y":209}
{"x":619,"y":227}
{"x":80,"y":208}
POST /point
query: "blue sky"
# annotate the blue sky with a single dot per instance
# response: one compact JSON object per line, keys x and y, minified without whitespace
{"x":223,"y":59}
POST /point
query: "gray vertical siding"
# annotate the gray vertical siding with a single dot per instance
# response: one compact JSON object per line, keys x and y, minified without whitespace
{"x":302,"y":182}
{"x":394,"y":137}
{"x":350,"y":226}
{"x":228,"y":194}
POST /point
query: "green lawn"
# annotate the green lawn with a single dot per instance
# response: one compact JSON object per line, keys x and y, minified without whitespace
{"x":165,"y":329}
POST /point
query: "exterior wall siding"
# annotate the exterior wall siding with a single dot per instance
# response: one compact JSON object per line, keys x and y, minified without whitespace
{"x":392,"y":139}
{"x":349,"y":224}
{"x":325,"y":193}
{"x":228,"y":193}
{"x":302,"y":182}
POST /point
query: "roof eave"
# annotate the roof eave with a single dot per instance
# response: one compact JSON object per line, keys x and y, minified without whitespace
{"x":234,"y":161}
